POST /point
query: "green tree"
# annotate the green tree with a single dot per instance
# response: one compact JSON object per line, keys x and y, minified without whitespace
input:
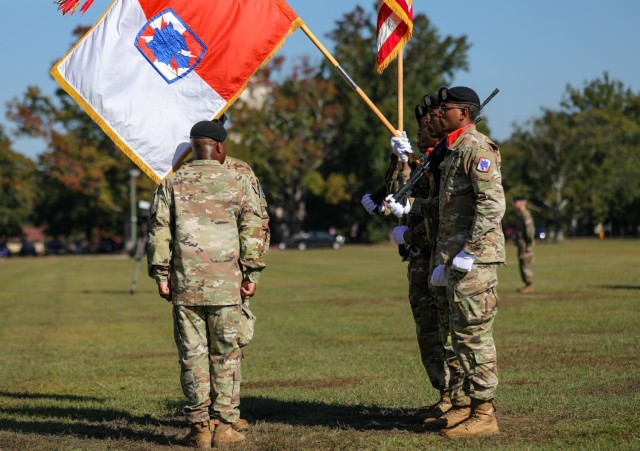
{"x":580,"y":165}
{"x":82,"y":183}
{"x":17,"y":185}
{"x":361,"y":149}
{"x":282,"y":130}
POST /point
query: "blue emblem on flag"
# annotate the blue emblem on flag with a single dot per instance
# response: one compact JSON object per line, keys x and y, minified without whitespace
{"x":483,"y":165}
{"x":171,"y":47}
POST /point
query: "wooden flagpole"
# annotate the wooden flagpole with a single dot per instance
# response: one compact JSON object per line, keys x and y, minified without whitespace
{"x":400,"y":90}
{"x":348,"y":79}
{"x":352,"y":83}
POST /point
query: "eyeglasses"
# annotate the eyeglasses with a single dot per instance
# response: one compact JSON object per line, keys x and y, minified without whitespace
{"x":447,"y":108}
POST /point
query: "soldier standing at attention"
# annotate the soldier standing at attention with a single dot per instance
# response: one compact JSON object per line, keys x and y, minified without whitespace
{"x":524,"y":238}
{"x":429,"y":304}
{"x":470,"y":247}
{"x":206,"y":248}
{"x":417,"y":237}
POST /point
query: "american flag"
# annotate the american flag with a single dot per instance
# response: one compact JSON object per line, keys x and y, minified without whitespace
{"x":395,"y":25}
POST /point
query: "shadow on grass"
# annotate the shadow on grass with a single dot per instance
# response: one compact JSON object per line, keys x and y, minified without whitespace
{"x":621,"y":287}
{"x":307,"y":413}
{"x":91,"y":422}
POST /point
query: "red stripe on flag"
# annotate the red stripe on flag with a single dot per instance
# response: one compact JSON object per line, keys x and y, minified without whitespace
{"x":391,"y":43}
{"x":391,"y":39}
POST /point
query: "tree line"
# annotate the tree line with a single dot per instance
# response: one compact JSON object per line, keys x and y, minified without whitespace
{"x":317,"y":149}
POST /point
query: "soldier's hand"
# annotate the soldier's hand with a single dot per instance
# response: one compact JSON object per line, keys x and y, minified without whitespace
{"x":439,"y":277}
{"x":247,"y":289}
{"x":369,"y":204}
{"x":398,"y":234}
{"x":401,"y":147}
{"x":164,"y":290}
{"x":463,"y":262}
{"x":396,"y":208}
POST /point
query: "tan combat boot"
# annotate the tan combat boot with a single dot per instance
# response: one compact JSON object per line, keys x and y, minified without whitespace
{"x":225,"y":435}
{"x":199,"y":436}
{"x":528,"y":288}
{"x":453,"y":416}
{"x":240,"y":425}
{"x":483,"y":421}
{"x":434,"y":410}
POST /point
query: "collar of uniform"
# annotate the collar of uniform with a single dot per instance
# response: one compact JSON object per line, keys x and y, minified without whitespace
{"x":205,"y":162}
{"x":451,"y":138}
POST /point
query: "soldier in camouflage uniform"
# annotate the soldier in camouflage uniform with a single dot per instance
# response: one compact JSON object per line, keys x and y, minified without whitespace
{"x":429,"y":304}
{"x":470,"y":247}
{"x":525,"y":237}
{"x":206,"y":249}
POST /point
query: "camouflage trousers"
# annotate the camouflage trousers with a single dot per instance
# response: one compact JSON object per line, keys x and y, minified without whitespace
{"x":430,"y":309}
{"x":525,"y":262}
{"x":210,"y":360}
{"x":473,"y":304}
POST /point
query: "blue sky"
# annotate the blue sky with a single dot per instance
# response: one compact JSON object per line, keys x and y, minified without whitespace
{"x":530,"y":50}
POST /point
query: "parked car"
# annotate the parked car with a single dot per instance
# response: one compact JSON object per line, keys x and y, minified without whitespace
{"x":28,"y":248}
{"x":316,"y":238}
{"x":56,"y":247}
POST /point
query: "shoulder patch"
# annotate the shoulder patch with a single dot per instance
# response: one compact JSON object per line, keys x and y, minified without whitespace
{"x":483,"y":165}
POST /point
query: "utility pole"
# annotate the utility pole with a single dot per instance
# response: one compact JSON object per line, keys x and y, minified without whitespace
{"x":133,"y":175}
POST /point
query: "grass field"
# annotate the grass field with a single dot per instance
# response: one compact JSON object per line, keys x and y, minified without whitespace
{"x":334,"y":363}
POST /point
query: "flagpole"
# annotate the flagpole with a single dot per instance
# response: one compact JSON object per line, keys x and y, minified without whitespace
{"x":400,"y":90}
{"x":348,"y":79}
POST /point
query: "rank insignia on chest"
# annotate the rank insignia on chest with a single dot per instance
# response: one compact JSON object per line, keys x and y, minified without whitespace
{"x":483,"y":165}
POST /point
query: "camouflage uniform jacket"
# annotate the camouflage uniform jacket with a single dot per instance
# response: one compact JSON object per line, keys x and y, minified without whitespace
{"x":471,"y":200}
{"x":525,"y":229}
{"x":243,"y":168}
{"x":396,"y":176}
{"x":418,"y":232}
{"x":427,"y":204}
{"x":206,"y":234}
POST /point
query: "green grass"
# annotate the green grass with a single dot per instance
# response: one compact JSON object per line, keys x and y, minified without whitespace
{"x":334,"y":363}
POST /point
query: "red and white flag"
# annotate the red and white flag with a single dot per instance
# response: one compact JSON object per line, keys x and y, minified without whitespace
{"x":395,"y":25}
{"x":149,"y":69}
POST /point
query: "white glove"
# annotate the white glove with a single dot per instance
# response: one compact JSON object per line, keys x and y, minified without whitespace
{"x":398,"y":234}
{"x":368,"y":204}
{"x":401,"y":147}
{"x":439,"y":277}
{"x":396,"y":208}
{"x":463,"y":262}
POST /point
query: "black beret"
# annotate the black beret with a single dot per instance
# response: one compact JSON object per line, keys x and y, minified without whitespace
{"x":421,"y":111}
{"x":459,"y":94}
{"x":519,"y":198}
{"x":431,"y":101}
{"x":209,"y":129}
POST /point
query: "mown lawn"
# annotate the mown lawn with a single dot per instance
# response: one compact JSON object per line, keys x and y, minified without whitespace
{"x":334,"y":364}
